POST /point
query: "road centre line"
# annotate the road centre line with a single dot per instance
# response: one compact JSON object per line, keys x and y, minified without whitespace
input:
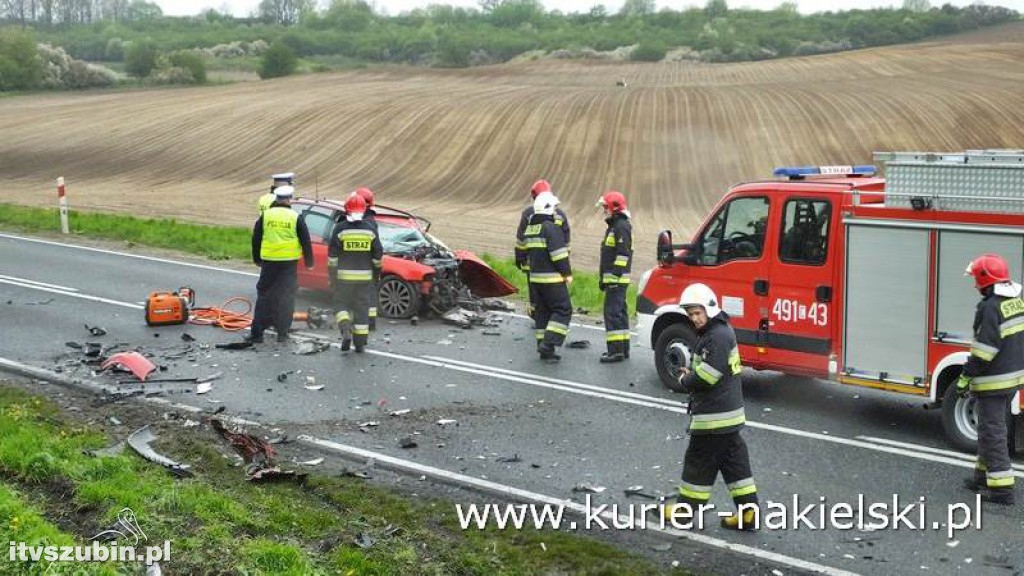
{"x":27,"y":281}
{"x":74,"y":295}
{"x":522,"y":496}
{"x":929,"y":449}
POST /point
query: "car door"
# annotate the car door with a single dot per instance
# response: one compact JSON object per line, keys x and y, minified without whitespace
{"x":320,"y":221}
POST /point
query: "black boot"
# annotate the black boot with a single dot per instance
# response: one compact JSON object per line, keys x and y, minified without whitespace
{"x":625,"y":349}
{"x":974,"y":484}
{"x":547,"y":353}
{"x":997,"y":496}
{"x":345,"y":328}
{"x":612,"y":357}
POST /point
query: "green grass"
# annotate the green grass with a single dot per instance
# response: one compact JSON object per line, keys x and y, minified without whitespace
{"x":218,"y":519}
{"x":232,"y":243}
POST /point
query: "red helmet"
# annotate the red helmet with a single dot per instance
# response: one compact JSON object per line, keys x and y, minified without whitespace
{"x":355,"y":204}
{"x":613,"y":202}
{"x":988,"y":269}
{"x":367,"y":195}
{"x":540,"y":186}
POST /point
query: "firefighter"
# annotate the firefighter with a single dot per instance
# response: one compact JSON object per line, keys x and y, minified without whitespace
{"x":370,"y":216}
{"x":283,"y":179}
{"x":550,"y":277}
{"x":353,"y":261}
{"x":279,"y":239}
{"x":616,"y":252}
{"x":521,"y":254}
{"x":993,"y":373}
{"x":716,"y":415}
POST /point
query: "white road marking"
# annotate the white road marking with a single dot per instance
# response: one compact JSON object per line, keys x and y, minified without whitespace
{"x":27,"y":281}
{"x":522,"y":496}
{"x":573,"y":324}
{"x":929,"y":449}
{"x":74,"y":294}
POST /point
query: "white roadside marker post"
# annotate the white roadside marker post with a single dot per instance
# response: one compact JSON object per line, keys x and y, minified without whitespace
{"x":63,"y":206}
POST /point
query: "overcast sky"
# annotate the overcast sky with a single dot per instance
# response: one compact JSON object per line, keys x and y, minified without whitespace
{"x":244,"y":7}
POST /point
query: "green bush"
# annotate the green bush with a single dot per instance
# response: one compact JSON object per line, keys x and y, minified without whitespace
{"x":279,"y":60}
{"x":140,"y":58}
{"x":21,"y":68}
{"x":192,"y":62}
{"x":649,"y":52}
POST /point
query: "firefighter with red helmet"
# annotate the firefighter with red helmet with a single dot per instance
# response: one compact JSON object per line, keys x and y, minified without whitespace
{"x":616,"y":254}
{"x":550,"y":277}
{"x":993,"y":373}
{"x":353,"y":261}
{"x":371,"y":216}
{"x":716,"y":416}
{"x":521,"y":253}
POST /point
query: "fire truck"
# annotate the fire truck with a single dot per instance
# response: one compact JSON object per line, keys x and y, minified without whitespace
{"x":835,"y":272}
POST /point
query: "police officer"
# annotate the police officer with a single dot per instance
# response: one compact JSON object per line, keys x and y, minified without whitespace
{"x":716,"y":414}
{"x":279,"y":239}
{"x":616,"y":253}
{"x":521,"y":253}
{"x":370,"y":216}
{"x":550,"y":276}
{"x":283,"y":179}
{"x":993,"y":373}
{"x":353,"y":261}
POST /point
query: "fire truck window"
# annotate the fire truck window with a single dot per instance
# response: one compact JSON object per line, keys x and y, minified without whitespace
{"x":736,"y":232}
{"x":805,"y":227}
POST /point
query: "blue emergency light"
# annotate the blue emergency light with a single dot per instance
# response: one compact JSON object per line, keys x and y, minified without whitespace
{"x":797,"y":172}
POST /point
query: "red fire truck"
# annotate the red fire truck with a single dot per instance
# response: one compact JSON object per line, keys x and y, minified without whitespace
{"x":832,"y":272}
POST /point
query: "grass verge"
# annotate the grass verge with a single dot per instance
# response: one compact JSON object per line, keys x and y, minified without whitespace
{"x":232,"y":243}
{"x":51,"y":493}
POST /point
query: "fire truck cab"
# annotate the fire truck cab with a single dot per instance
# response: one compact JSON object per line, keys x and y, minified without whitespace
{"x":832,"y":272}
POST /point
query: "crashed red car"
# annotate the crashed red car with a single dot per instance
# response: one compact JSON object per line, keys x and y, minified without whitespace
{"x":418,"y":271}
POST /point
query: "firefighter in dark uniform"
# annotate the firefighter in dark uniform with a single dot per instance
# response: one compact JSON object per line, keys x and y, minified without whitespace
{"x":616,"y":254}
{"x":353,"y":261}
{"x":370,"y":216}
{"x":993,"y":373}
{"x":716,"y":414}
{"x":521,"y":254}
{"x":283,"y":179}
{"x":550,"y":276}
{"x":279,"y":239}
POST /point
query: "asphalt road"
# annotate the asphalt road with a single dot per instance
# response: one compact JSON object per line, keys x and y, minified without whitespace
{"x":571,"y":423}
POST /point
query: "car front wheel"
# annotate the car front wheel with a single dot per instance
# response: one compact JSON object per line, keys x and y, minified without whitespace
{"x":397,"y":298}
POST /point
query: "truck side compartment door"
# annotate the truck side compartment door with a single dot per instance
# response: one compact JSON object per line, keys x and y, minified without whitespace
{"x":801,"y":307}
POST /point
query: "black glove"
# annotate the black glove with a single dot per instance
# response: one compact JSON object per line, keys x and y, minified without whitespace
{"x":376,"y":277}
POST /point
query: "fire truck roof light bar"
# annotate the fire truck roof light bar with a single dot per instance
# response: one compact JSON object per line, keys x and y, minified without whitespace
{"x":798,"y":172}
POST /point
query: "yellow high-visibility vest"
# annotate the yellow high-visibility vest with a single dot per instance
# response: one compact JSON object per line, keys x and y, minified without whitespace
{"x":280,"y":235}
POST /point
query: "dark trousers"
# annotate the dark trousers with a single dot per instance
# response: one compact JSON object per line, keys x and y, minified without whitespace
{"x":709,"y":454}
{"x":993,"y":466}
{"x":616,"y":319}
{"x":532,"y":294}
{"x":552,"y":311}
{"x":352,"y":309}
{"x":275,"y":297}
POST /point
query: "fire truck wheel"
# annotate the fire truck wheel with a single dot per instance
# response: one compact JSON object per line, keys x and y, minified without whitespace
{"x":960,"y":420}
{"x":667,"y":353}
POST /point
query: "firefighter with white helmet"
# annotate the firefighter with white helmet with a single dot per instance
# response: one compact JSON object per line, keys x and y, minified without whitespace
{"x":550,"y":277}
{"x":521,"y":254}
{"x":993,"y":373}
{"x":353,"y":261}
{"x":716,"y":415}
{"x":616,"y":254}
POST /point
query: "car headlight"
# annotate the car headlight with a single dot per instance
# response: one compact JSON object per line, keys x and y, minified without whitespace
{"x":643,"y":281}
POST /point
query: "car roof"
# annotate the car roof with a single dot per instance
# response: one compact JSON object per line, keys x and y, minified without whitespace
{"x":383,"y":212}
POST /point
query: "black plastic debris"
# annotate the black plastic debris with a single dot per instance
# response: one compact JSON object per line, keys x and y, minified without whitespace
{"x":235,"y":345}
{"x":95,"y":330}
{"x":74,"y":345}
{"x":583,"y":311}
{"x":407,"y":442}
{"x":579,"y":344}
{"x":510,"y":459}
{"x":92,"y":349}
{"x":187,"y":337}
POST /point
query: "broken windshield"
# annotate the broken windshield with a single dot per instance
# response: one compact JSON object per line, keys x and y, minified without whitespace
{"x":400,"y":239}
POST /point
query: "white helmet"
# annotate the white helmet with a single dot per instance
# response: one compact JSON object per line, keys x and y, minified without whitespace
{"x":700,"y":295}
{"x":284,"y":192}
{"x":545,"y":203}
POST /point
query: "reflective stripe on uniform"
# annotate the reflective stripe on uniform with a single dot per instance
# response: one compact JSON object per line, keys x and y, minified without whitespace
{"x":707,"y":372}
{"x":997,"y":382}
{"x":983,"y":351}
{"x":1002,"y":479}
{"x":742,"y":487}
{"x":280,"y":235}
{"x":717,"y":420}
{"x":535,"y":242}
{"x":609,"y":240}
{"x":560,"y":254}
{"x":614,"y":279}
{"x":1011,"y":327}
{"x":617,"y":336}
{"x":621,"y":260}
{"x":355,"y":275}
{"x":979,"y":465}
{"x":361,"y":330}
{"x":557,"y":327}
{"x":546,"y":278}
{"x":341,"y":317}
{"x":332,"y":262}
{"x":539,"y":333}
{"x":735,"y":365}
{"x":695,"y":491}
{"x":373,"y":311}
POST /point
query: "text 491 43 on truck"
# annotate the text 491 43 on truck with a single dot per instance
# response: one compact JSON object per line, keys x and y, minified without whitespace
{"x":832,"y":272}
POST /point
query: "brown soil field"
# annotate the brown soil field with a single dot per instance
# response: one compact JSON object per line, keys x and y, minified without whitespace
{"x":462,"y":147}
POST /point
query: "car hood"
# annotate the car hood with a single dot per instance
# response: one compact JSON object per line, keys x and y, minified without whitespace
{"x":480,"y":278}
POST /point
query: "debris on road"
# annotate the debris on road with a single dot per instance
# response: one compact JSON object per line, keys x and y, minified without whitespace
{"x":446,"y":421}
{"x":40,"y":303}
{"x":92,"y":349}
{"x":242,"y":345}
{"x":491,"y":333}
{"x":314,"y":387}
{"x":510,"y":459}
{"x":407,"y":442}
{"x":309,"y":347}
{"x":140,"y":441}
{"x":579,"y":344}
{"x":582,"y":311}
{"x":95,"y":330}
{"x":401,"y":412}
{"x":313,"y":462}
{"x":114,"y":420}
{"x":257,"y":454}
{"x":638,"y":491}
{"x":586,"y":487}
{"x":204,"y":387}
{"x":134,"y":362}
{"x":114,"y":450}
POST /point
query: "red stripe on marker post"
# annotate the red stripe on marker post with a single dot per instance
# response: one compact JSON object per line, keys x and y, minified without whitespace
{"x":63,"y":206}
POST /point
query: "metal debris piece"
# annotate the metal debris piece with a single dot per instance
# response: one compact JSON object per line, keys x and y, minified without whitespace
{"x":401,"y":412}
{"x":95,"y":330}
{"x":638,"y":491}
{"x":314,"y":387}
{"x":313,"y":462}
{"x":586,"y":487}
{"x":579,"y":344}
{"x":510,"y":459}
{"x":407,"y":442}
{"x":204,"y":387}
{"x":496,"y":304}
{"x":369,"y":424}
{"x":140,"y":441}
{"x":235,"y":345}
{"x":138,"y":364}
{"x":210,"y":378}
{"x":446,"y":421}
{"x":92,"y":349}
{"x":311,"y":347}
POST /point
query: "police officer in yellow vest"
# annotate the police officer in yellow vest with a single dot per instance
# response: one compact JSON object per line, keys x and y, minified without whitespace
{"x":283,"y":179}
{"x":279,"y":239}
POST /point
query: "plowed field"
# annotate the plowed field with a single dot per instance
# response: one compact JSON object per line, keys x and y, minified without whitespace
{"x":462,"y":147}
